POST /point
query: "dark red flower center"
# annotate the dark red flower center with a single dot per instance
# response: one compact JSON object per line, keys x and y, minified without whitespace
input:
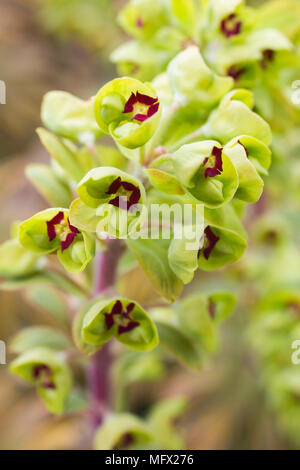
{"x":142,"y":106}
{"x":43,"y":375}
{"x":139,"y":22}
{"x":211,"y":309}
{"x":127,"y":194}
{"x":231,"y":25}
{"x":60,"y":227}
{"x":209,"y":242}
{"x":235,"y":72}
{"x":267,"y":57}
{"x":247,"y":153}
{"x":121,"y":317}
{"x":213,"y":164}
{"x":125,"y":441}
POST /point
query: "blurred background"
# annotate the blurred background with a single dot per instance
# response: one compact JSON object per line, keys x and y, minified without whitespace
{"x":65,"y":44}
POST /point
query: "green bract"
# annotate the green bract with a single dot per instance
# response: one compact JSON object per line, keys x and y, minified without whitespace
{"x":224,"y":240}
{"x":17,"y":261}
{"x":250,"y":183}
{"x":192,"y":80}
{"x":257,"y":152}
{"x":140,"y":59}
{"x":141,"y":18}
{"x":48,"y":371}
{"x":206,"y":172}
{"x":69,"y":116}
{"x":200,"y":313}
{"x":121,"y":318}
{"x":111,"y":200}
{"x":234,"y":117}
{"x":43,"y":234}
{"x":128,"y":110}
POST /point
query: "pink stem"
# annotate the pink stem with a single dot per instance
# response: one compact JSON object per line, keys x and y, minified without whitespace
{"x":98,"y":371}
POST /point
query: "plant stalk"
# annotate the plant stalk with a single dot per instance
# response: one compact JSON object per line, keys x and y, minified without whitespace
{"x":99,"y":368}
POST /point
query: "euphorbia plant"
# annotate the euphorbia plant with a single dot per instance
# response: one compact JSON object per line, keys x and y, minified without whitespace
{"x":190,"y":138}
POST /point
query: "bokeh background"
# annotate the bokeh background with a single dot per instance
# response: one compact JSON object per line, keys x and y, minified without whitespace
{"x":65,"y":44}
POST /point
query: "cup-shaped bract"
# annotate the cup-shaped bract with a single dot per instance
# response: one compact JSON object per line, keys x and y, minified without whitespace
{"x":224,"y":240}
{"x":128,"y":110}
{"x":50,"y":231}
{"x":16,"y":261}
{"x":142,"y":18}
{"x":70,"y":117}
{"x":117,"y":199}
{"x":141,"y":60}
{"x":250,"y":183}
{"x":224,"y":16}
{"x":49,"y":372}
{"x":122,"y":318}
{"x":257,"y":152}
{"x":193,"y":81}
{"x":123,"y":431}
{"x":234,"y":117}
{"x":206,"y":172}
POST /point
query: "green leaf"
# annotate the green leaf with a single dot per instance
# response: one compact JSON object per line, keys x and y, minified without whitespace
{"x":43,"y":278}
{"x":135,"y":367}
{"x":63,"y":154}
{"x":162,"y":418}
{"x":200,"y":313}
{"x":179,"y":345}
{"x":45,"y":180}
{"x":39,"y":336}
{"x":48,"y":300}
{"x":153,"y":258}
{"x":174,"y":340}
{"x":182,"y":258}
{"x":69,"y":116}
